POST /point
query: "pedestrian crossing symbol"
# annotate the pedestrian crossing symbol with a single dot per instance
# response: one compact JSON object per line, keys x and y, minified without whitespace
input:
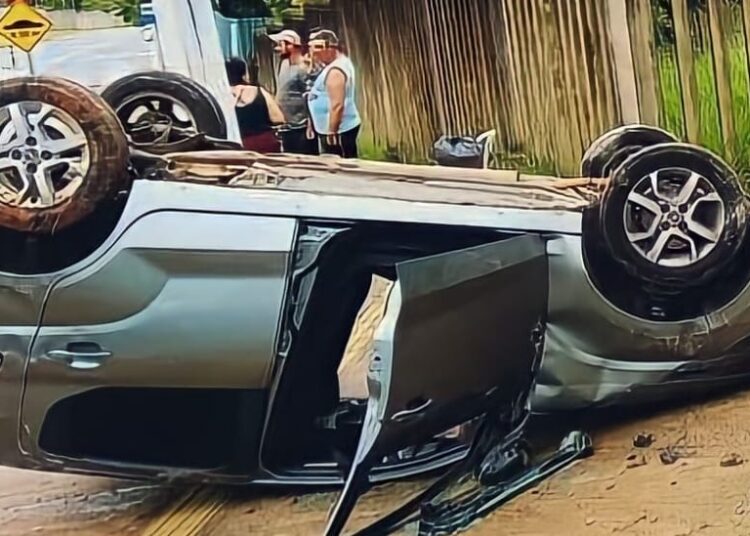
{"x":24,"y":26}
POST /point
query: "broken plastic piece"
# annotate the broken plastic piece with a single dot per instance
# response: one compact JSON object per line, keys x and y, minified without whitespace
{"x":460,"y":498}
{"x":643,"y":440}
{"x":456,"y":514}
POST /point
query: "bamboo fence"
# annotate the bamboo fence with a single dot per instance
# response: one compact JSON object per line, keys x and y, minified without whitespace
{"x":549,"y":75}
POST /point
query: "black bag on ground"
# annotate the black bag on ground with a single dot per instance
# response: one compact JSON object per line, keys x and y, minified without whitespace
{"x":465,"y":152}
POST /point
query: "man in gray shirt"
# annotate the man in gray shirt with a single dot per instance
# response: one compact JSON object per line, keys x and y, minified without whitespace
{"x":291,"y":83}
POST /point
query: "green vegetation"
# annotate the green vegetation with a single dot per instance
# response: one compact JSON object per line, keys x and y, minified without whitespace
{"x":129,"y":10}
{"x":292,"y":9}
{"x":278,"y":10}
{"x":241,"y":9}
{"x":736,"y":151}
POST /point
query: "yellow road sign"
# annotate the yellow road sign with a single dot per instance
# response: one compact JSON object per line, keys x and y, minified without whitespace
{"x":24,"y":26}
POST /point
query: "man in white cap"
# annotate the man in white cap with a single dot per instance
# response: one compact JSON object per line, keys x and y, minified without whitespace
{"x":291,"y":83}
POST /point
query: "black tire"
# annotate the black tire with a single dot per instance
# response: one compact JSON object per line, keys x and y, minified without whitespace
{"x":193,"y":143}
{"x":107,"y":152}
{"x":206,"y":113}
{"x":612,"y":148}
{"x":677,"y":161}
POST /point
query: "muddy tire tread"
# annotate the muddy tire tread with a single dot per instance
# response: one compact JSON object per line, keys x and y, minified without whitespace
{"x":108,"y":152}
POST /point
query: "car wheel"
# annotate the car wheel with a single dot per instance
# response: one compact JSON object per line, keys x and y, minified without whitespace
{"x":161,"y":108}
{"x":613,"y":147}
{"x":674,"y":215}
{"x":62,"y":150}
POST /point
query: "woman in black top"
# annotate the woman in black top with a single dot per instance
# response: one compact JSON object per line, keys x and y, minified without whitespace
{"x":257,"y":111}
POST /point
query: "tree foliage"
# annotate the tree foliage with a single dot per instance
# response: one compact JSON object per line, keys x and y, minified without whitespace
{"x":129,"y":10}
{"x":277,"y":9}
{"x":664,"y":23}
{"x":241,"y":9}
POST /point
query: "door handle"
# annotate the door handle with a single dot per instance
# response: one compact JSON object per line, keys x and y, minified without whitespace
{"x":412,"y":413}
{"x":79,"y":360}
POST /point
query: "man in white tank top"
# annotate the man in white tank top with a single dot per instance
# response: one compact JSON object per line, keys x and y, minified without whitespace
{"x":332,"y":99}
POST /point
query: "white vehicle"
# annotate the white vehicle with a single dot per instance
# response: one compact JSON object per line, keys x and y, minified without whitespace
{"x":163,"y":74}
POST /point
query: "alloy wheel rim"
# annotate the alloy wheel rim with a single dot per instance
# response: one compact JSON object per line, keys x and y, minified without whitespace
{"x":674,"y":217}
{"x":151,"y":117}
{"x":44,"y":155}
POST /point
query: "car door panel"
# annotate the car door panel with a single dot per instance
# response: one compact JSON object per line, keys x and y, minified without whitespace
{"x":181,"y":301}
{"x":461,"y":335}
{"x":458,"y":326}
{"x":181,"y":315}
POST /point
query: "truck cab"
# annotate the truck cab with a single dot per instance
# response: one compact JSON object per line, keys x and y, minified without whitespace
{"x":96,"y":48}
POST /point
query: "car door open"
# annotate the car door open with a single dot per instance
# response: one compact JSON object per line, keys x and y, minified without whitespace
{"x":462,"y":334}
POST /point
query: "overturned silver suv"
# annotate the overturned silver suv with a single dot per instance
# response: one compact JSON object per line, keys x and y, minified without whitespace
{"x":179,"y":308}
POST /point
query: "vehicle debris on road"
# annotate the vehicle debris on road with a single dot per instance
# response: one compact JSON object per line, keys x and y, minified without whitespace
{"x":643,"y":440}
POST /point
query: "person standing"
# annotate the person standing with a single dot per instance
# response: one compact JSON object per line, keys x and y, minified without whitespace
{"x":332,"y":99}
{"x":291,"y":83}
{"x":257,"y":111}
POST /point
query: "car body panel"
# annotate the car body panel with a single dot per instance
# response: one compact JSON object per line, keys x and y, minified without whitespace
{"x":461,"y":335}
{"x":181,"y":299}
{"x":94,"y":57}
{"x":21,"y":301}
{"x":596,"y":354}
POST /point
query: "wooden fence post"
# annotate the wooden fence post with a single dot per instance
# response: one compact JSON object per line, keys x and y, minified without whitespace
{"x":718,"y":22}
{"x":641,"y":24}
{"x":686,"y":69}
{"x":623,"y":57}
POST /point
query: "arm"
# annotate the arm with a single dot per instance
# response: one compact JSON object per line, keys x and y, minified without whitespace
{"x":274,"y":110}
{"x":336,"y":88}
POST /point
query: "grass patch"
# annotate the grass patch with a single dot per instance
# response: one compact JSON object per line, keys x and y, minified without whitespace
{"x":671,"y":117}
